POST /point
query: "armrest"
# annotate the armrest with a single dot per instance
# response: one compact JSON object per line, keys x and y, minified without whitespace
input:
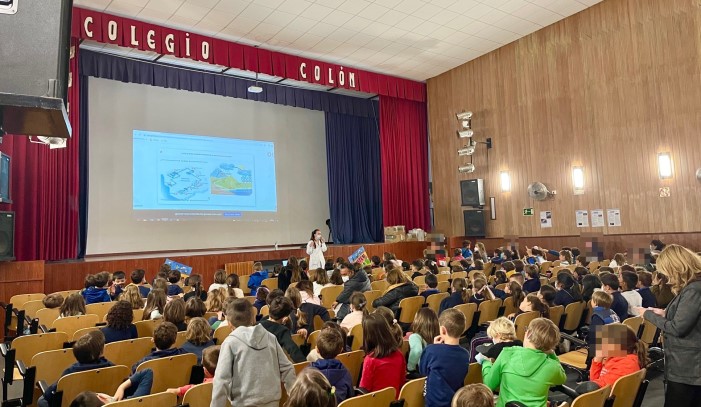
{"x":43,"y":386}
{"x":397,"y":403}
{"x":22,"y":368}
{"x":101,"y":324}
{"x":359,"y":391}
{"x":515,"y":404}
{"x":563,"y":318}
{"x":43,"y":328}
{"x":574,"y":340}
{"x":4,"y":349}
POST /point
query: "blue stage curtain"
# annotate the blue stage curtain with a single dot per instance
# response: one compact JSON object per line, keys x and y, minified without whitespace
{"x":355,"y":178}
{"x":149,"y":73}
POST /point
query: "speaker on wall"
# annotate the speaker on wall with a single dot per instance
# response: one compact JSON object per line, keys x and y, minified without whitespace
{"x":7,"y":236}
{"x":35,"y":44}
{"x":472,"y":192}
{"x":474,"y":223}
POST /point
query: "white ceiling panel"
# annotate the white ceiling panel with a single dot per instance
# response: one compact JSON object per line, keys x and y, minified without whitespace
{"x":415,"y":39}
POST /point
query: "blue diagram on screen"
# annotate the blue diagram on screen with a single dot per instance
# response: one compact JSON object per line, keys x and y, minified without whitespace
{"x":177,"y":171}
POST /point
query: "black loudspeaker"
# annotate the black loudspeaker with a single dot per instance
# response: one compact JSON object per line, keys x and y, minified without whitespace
{"x":7,"y":236}
{"x":472,"y":192}
{"x":35,"y":47}
{"x":474,"y":223}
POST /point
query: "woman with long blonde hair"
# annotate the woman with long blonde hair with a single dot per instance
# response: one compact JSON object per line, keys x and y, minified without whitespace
{"x":681,"y":325}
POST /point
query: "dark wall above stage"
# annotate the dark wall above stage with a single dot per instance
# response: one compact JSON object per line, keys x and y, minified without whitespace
{"x":606,"y":89}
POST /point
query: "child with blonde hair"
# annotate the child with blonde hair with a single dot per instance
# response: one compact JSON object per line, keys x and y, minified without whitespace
{"x":473,"y":395}
{"x":502,"y":331}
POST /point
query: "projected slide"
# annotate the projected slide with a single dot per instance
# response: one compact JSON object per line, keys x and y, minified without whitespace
{"x":181,"y":177}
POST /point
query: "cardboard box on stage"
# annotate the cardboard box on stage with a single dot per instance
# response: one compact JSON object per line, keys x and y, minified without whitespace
{"x":399,"y":237}
{"x":395,"y":230}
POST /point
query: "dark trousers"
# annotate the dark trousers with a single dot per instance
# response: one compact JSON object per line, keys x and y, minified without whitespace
{"x":681,"y":395}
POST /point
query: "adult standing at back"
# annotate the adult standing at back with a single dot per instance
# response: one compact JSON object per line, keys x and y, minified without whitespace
{"x":681,"y":326}
{"x":315,"y":249}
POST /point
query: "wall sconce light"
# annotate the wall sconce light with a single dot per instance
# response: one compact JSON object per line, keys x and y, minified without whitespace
{"x":505,"y":181}
{"x":665,"y":166}
{"x":578,"y":180}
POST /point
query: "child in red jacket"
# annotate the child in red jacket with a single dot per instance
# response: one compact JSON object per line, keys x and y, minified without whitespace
{"x":619,"y":352}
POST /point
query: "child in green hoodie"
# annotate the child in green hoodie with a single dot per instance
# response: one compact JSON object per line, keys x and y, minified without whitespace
{"x":526,"y":373}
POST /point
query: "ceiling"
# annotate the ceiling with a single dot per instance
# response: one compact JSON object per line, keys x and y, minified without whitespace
{"x":415,"y":39}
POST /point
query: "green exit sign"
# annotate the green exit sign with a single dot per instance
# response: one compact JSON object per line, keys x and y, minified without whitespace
{"x":528,"y":212}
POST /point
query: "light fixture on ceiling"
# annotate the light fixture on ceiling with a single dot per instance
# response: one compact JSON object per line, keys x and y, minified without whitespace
{"x":665,"y":166}
{"x":466,"y":133}
{"x":467,"y":168}
{"x":578,"y":180}
{"x":505,"y":181}
{"x":255,"y":88}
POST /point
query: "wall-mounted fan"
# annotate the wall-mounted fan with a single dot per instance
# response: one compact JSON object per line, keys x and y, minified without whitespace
{"x":539,"y":192}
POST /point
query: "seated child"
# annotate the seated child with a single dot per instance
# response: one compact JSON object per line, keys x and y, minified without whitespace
{"x":610,"y":284}
{"x":431,"y":284}
{"x":74,"y":305}
{"x":314,"y":355}
{"x":619,"y":352}
{"x":247,"y":349}
{"x":358,"y":306}
{"x":119,"y":323}
{"x":280,"y":309}
{"x":312,"y":389}
{"x":329,"y":345}
{"x":459,"y":295}
{"x":88,"y":353}
{"x":198,"y":337}
{"x":210,"y":356}
{"x":473,"y":395}
{"x":173,"y":280}
{"x":480,"y":292}
{"x":119,"y":279}
{"x":424,"y":329}
{"x":526,"y":373}
{"x":503,"y":333}
{"x":54,"y":300}
{"x":384,"y":365}
{"x":644,"y":283}
{"x":95,"y":290}
{"x":138,"y":279}
{"x":164,"y":338}
{"x":532,"y":283}
{"x":628,"y":281}
{"x":445,"y":363}
{"x":601,"y":314}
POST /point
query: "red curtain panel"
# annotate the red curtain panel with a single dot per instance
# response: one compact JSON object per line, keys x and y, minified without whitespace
{"x":404,"y":152}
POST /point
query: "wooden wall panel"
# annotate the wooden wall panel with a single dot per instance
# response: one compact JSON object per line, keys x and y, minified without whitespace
{"x":607,"y":89}
{"x":71,"y":274}
{"x":20,"y":278}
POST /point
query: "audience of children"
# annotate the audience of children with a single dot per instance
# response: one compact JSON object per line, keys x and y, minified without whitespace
{"x":526,"y":373}
{"x":445,"y":362}
{"x":119,"y":323}
{"x":330,"y":344}
{"x":424,"y":330}
{"x":250,"y":348}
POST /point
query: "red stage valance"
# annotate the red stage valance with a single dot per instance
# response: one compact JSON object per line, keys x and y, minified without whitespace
{"x":125,"y":32}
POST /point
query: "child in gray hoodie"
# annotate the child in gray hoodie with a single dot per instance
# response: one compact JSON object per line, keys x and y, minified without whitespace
{"x":249,"y":350}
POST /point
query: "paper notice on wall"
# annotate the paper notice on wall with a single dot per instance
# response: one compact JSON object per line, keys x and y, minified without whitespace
{"x":546,"y":219}
{"x":597,"y":218}
{"x":582,"y":218}
{"x":614,"y":217}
